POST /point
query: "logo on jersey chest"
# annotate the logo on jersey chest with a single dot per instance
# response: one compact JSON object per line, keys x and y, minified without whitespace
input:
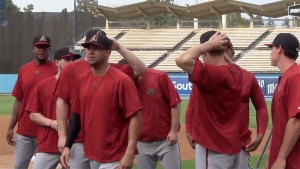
{"x":151,"y":91}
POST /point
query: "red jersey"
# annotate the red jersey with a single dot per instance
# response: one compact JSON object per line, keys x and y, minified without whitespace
{"x":44,"y":102}
{"x":252,"y":90}
{"x":220,"y":90}
{"x":192,"y":108}
{"x":69,"y":77}
{"x":29,"y":76}
{"x":105,"y":104}
{"x":67,"y":83}
{"x":285,"y":105}
{"x":158,"y":95}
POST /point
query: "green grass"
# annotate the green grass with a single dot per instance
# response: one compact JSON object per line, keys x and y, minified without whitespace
{"x":6,"y":104}
{"x":185,"y":164}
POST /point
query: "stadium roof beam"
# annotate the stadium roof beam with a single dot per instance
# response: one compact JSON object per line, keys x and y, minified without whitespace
{"x":218,"y":14}
{"x":248,"y":13}
{"x":146,"y":16}
{"x":176,"y":15}
{"x":105,"y":17}
{"x":201,"y":10}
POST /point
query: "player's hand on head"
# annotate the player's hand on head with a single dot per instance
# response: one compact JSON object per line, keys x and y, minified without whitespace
{"x":126,"y":161}
{"x":218,"y":40}
{"x":10,"y":137}
{"x":64,"y":158}
{"x":172,"y":138}
{"x":115,"y":45}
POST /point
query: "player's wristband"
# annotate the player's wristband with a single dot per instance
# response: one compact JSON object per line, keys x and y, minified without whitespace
{"x":74,"y":129}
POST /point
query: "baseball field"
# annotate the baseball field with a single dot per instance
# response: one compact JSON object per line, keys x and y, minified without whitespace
{"x":187,"y":154}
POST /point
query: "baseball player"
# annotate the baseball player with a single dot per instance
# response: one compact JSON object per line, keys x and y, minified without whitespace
{"x":42,"y":112}
{"x":110,"y":129}
{"x":28,"y":77}
{"x":160,"y":115}
{"x":220,"y":86}
{"x":65,"y":92}
{"x":250,"y":90}
{"x":285,"y":143}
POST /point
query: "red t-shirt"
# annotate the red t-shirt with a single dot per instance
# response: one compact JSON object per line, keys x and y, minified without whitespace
{"x":69,"y":77}
{"x":285,"y":105}
{"x":105,"y":104}
{"x":192,"y":107}
{"x":252,"y":90}
{"x":44,"y":102}
{"x":67,"y":83}
{"x":29,"y":76}
{"x":220,"y":90}
{"x":158,"y":95}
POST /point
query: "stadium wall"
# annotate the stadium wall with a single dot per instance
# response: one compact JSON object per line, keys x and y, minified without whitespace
{"x":16,"y":37}
{"x":267,"y":82}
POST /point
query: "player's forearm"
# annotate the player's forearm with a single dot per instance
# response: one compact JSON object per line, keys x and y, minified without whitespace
{"x":40,"y":120}
{"x":136,"y":63}
{"x":290,"y":138}
{"x":260,"y":105}
{"x":186,"y":60}
{"x":74,"y":130}
{"x":14,"y":116}
{"x":134,"y":133}
{"x":62,"y":110}
{"x":175,"y":114}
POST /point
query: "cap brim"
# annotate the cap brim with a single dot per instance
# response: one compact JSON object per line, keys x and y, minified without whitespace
{"x":270,"y":44}
{"x":88,"y":43}
{"x":42,"y":43}
{"x":75,"y":56}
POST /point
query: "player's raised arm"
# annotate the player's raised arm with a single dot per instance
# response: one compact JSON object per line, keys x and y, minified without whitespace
{"x":136,"y":63}
{"x":186,"y":60}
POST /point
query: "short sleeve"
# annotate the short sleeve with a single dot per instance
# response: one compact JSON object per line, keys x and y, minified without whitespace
{"x":34,"y":104}
{"x":293,"y":103}
{"x":63,"y":88}
{"x":169,"y":90}
{"x":128,"y":97}
{"x":17,"y":91}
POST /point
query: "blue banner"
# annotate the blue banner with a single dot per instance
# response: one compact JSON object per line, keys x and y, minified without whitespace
{"x":7,"y":83}
{"x":267,"y":83}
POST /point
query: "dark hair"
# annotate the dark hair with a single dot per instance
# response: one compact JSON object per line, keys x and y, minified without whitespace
{"x":291,"y":55}
{"x":123,"y":61}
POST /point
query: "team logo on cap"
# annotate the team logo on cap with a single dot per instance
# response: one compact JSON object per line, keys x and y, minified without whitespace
{"x":94,"y":38}
{"x":151,"y":91}
{"x":98,"y":33}
{"x":43,"y":38}
{"x":70,"y":50}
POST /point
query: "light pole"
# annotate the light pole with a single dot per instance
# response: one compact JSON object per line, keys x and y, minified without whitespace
{"x":74,"y":24}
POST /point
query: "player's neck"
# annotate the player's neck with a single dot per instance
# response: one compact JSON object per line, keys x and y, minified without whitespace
{"x":58,"y":73}
{"x":285,"y":64}
{"x":100,"y":69}
{"x":215,"y":60}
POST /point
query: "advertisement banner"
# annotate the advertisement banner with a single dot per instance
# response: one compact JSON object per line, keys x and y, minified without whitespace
{"x":267,"y":83}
